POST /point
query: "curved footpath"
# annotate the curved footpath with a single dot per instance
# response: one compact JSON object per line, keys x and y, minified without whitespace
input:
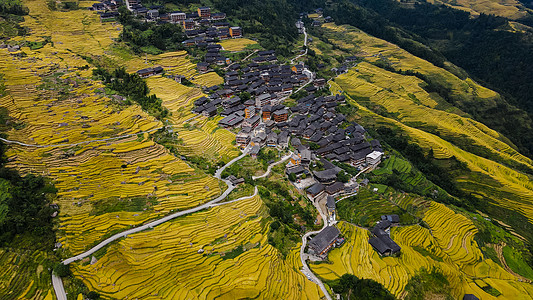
{"x":80,"y":143}
{"x":303,"y":257}
{"x":58,"y":283}
{"x":285,"y":158}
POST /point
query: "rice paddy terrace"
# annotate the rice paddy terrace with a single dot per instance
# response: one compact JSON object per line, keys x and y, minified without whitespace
{"x":221,"y":253}
{"x":401,"y":101}
{"x":447,"y":244}
{"x":504,"y":8}
{"x":111,"y":176}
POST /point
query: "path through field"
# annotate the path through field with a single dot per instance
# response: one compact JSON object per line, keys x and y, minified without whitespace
{"x":285,"y":158}
{"x":58,"y":283}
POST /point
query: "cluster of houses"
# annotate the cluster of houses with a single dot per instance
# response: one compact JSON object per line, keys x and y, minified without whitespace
{"x":201,"y":26}
{"x":317,"y":22}
{"x":381,"y":240}
{"x":266,"y":86}
{"x":329,"y":238}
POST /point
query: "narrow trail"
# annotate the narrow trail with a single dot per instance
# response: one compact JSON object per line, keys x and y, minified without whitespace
{"x":464,"y":245}
{"x":305,"y":44}
{"x":80,"y":143}
{"x":285,"y":158}
{"x":303,"y":257}
{"x":499,"y":253}
{"x":58,"y":283}
{"x":450,"y":244}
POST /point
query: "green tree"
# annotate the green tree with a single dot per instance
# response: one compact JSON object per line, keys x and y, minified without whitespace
{"x":292,"y":177}
{"x":62,"y":270}
{"x":343,"y":176}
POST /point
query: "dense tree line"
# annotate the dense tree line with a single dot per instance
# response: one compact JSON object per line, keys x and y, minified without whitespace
{"x":11,"y":14}
{"x":352,"y":287}
{"x":24,"y":206}
{"x":12,"y":7}
{"x":273,"y":22}
{"x":142,"y":35}
{"x":134,"y":88}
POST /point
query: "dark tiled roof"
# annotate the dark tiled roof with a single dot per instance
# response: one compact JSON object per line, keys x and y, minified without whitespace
{"x":330,"y":202}
{"x":335,"y":188}
{"x":323,"y":239}
{"x":315,"y":189}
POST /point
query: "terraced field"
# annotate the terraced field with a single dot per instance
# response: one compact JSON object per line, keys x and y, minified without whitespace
{"x":512,"y":189}
{"x":504,"y":8}
{"x":108,"y":184}
{"x":419,"y":114}
{"x":221,"y":253}
{"x":24,"y":275}
{"x":236,"y":44}
{"x":408,"y":174}
{"x":402,"y":95}
{"x":447,"y":245}
{"x":200,"y":135}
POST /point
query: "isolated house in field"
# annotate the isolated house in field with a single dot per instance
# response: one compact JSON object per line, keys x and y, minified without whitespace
{"x":394,"y":219}
{"x":324,"y":241}
{"x":150,"y":71}
{"x":381,"y":242}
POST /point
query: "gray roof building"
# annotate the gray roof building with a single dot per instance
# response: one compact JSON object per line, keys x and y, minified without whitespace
{"x":324,"y":240}
{"x":315,"y":189}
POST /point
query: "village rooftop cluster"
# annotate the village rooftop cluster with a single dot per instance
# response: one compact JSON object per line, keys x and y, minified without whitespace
{"x":201,"y":27}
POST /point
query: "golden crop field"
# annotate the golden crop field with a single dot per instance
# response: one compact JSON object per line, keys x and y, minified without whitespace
{"x":165,"y":262}
{"x":203,"y":137}
{"x":108,"y":184}
{"x":504,"y":8}
{"x":452,"y":249}
{"x":372,"y":49}
{"x":112,"y":172}
{"x":506,"y":179}
{"x":24,"y":275}
{"x":402,"y":95}
{"x":412,"y":110}
{"x":236,"y":44}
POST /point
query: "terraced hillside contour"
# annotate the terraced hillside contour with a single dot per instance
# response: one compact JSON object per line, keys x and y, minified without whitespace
{"x":447,"y":245}
{"x":426,"y":118}
{"x":110,"y":186}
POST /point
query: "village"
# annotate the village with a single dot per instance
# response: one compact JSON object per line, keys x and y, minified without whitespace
{"x":313,"y":133}
{"x":317,"y":138}
{"x":201,"y":27}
